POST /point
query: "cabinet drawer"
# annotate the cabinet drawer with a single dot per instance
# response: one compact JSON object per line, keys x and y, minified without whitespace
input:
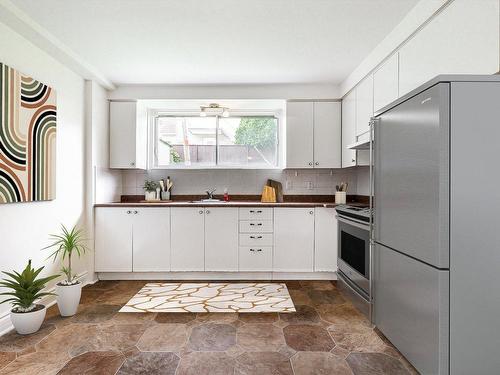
{"x":252,"y":213}
{"x":256,"y":258}
{"x":256,"y":239}
{"x":256,"y":226}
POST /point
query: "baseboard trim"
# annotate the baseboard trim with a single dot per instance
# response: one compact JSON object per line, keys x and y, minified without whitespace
{"x":5,"y":323}
{"x":217,"y":275}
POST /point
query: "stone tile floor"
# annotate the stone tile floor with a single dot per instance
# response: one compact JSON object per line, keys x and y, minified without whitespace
{"x":326,"y":335}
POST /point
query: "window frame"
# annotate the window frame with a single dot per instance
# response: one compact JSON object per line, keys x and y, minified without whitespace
{"x":153,"y":145}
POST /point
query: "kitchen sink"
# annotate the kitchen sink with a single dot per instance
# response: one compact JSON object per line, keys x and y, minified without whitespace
{"x":208,"y":201}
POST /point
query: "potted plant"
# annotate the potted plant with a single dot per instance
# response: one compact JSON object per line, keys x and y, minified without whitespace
{"x":68,"y":290}
{"x":150,"y":190}
{"x":26,"y":316}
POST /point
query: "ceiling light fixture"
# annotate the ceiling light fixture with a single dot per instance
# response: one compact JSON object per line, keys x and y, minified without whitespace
{"x":213,"y":107}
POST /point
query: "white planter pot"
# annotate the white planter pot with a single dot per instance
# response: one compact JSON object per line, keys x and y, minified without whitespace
{"x":29,"y":322}
{"x":68,"y":298}
{"x":150,"y":195}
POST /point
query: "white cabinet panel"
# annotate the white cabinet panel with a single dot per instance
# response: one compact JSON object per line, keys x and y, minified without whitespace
{"x":293,"y":239}
{"x":151,"y":239}
{"x":221,"y":239}
{"x":256,"y":258}
{"x":469,"y":46}
{"x":327,"y":135}
{"x":386,"y":83}
{"x":127,"y":136}
{"x":113,"y":239}
{"x":299,"y":135}
{"x":325,"y":240}
{"x":187,"y":239}
{"x":256,"y":239}
{"x":260,"y":213}
{"x":348,"y":129}
{"x":364,"y":105}
{"x":256,"y":226}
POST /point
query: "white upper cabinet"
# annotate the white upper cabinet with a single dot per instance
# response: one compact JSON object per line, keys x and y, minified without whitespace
{"x":299,"y":135}
{"x":188,"y":239}
{"x":221,"y":239}
{"x":325,"y":240}
{"x":471,"y":46}
{"x":313,"y":132}
{"x":348,"y":129}
{"x":151,"y":242}
{"x":293,"y":239}
{"x":327,"y":134}
{"x":127,"y":135}
{"x":113,"y":239}
{"x":386,"y":82}
{"x":364,"y":105}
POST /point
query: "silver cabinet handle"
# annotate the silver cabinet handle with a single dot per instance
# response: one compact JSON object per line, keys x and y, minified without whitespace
{"x":311,"y":212}
{"x":129,"y":212}
{"x":255,"y":250}
{"x":317,"y":163}
{"x":310,"y":163}
{"x":258,"y":224}
{"x":200,"y":212}
{"x":353,"y":160}
{"x":136,"y":212}
{"x":253,"y":211}
{"x":132,"y":164}
{"x":207,"y":211}
{"x":256,"y":237}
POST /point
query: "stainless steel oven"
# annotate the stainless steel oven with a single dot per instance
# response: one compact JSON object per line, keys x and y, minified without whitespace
{"x":354,"y":252}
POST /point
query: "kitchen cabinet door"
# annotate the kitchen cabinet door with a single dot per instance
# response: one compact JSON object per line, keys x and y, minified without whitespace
{"x":325,"y":240}
{"x":348,"y":129}
{"x":151,"y":240}
{"x":386,"y":83}
{"x":299,"y":135}
{"x":469,"y":48}
{"x":293,"y":239}
{"x":221,"y":239}
{"x":113,"y":239}
{"x":127,"y":135}
{"x":187,"y":239}
{"x":364,"y":105}
{"x":327,"y":135}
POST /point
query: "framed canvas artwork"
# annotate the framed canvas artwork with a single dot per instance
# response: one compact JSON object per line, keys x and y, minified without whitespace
{"x":28,"y":115}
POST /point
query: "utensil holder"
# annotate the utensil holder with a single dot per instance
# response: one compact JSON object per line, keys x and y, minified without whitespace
{"x":340,"y":197}
{"x":165,"y":195}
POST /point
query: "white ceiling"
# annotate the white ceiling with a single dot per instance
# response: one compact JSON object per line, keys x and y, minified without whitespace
{"x":219,"y":41}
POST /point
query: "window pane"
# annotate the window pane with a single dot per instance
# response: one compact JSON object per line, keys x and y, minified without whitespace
{"x":248,"y":141}
{"x":186,"y":141}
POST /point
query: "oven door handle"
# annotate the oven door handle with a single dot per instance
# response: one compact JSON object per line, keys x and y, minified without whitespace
{"x":356,"y":224}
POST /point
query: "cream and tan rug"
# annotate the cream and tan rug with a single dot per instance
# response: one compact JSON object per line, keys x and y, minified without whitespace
{"x":211,"y":297}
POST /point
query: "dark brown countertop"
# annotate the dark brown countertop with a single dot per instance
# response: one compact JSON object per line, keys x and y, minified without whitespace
{"x":297,"y":201}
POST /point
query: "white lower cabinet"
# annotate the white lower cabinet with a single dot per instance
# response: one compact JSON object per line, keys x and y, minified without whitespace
{"x":293,"y":239}
{"x":221,"y":239}
{"x":325,"y":240}
{"x":188,"y":239}
{"x":132,"y":239}
{"x":151,"y":240}
{"x":256,"y":258}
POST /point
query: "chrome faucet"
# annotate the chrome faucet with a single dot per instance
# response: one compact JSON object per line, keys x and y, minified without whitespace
{"x":210,"y":193}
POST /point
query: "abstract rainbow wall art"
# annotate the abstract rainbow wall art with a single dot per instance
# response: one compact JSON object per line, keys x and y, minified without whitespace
{"x":27,"y":138}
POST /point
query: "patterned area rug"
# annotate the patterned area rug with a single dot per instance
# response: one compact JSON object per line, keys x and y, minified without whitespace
{"x":211,"y":297}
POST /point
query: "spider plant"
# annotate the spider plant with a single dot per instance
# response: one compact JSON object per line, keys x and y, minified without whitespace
{"x":65,"y":244}
{"x":25,"y":288}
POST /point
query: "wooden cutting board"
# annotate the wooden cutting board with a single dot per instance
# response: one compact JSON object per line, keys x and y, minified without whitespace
{"x":278,"y":188}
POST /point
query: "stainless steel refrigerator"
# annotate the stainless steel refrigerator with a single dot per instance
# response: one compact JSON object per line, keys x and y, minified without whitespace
{"x":436,"y":226}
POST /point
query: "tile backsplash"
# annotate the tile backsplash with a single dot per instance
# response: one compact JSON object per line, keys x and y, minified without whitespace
{"x":300,"y":182}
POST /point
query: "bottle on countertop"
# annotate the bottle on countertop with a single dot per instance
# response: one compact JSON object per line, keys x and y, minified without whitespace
{"x":226,"y":195}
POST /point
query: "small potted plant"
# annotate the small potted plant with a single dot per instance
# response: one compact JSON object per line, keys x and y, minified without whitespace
{"x":26,"y":315}
{"x":150,"y":190}
{"x":69,"y":290}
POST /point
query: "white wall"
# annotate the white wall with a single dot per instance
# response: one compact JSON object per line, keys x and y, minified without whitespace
{"x":24,"y":227}
{"x":300,"y":182}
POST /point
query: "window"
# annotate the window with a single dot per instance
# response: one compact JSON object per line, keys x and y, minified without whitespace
{"x":193,"y":141}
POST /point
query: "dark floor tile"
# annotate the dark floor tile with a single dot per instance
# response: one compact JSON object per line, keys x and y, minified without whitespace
{"x":150,"y":363}
{"x":258,"y":317}
{"x":14,"y":342}
{"x":6,"y":358}
{"x":328,"y":297}
{"x":375,"y":364}
{"x":201,"y":363}
{"x":308,"y":338}
{"x":175,"y":317}
{"x":96,"y":313}
{"x":317,"y":284}
{"x":300,"y":297}
{"x":37,"y":364}
{"x":212,"y":337}
{"x":304,"y":314}
{"x":315,"y":363}
{"x":263,"y":363}
{"x":98,"y":363}
{"x":290,"y":284}
{"x":164,"y":337}
{"x":260,"y":337}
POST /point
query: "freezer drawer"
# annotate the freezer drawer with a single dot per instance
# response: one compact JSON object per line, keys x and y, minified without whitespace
{"x":411,"y":177}
{"x":411,"y":308}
